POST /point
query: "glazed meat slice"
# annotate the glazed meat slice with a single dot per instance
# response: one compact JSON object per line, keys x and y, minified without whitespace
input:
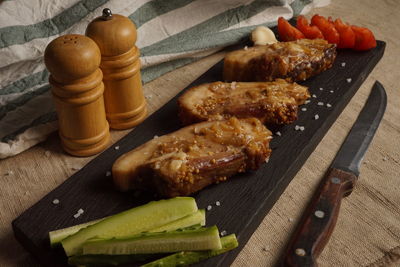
{"x":185,"y":161}
{"x":271,"y":102}
{"x":292,"y":61}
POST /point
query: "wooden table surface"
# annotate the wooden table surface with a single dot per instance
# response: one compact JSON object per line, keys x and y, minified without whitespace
{"x":368,"y":228}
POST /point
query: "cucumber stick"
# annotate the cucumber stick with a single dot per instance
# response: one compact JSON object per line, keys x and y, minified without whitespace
{"x":148,"y":243}
{"x":190,"y":257}
{"x":57,"y":236}
{"x":198,"y":217}
{"x":140,"y":219}
{"x":178,"y":259}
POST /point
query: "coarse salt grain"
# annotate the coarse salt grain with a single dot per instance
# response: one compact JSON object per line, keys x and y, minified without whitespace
{"x":77,"y":215}
{"x":290,"y":219}
{"x":80,"y":211}
{"x":245,"y":48}
{"x":307,"y":101}
{"x":348,"y":80}
{"x":218,"y":203}
{"x":331,"y":91}
{"x":155,"y":137}
{"x":108,"y":173}
{"x":233,"y":85}
{"x":320,"y":103}
{"x":343,"y":64}
{"x":209,"y":207}
{"x":278,"y":133}
{"x":304,"y":109}
{"x":223,"y":233}
{"x":321,"y":89}
{"x":297,"y":127}
{"x":314,"y":96}
{"x":328,"y":105}
{"x":316,"y":117}
{"x":266,"y":160}
{"x":56,"y":201}
{"x":116,"y":148}
{"x":301,"y":128}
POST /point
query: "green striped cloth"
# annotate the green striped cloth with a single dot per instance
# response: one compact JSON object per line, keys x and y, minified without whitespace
{"x":170,"y":34}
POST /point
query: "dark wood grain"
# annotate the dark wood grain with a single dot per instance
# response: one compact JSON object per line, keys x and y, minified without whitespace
{"x":319,"y":219}
{"x":245,"y":199}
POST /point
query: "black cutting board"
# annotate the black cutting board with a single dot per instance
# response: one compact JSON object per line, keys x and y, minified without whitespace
{"x":245,"y":199}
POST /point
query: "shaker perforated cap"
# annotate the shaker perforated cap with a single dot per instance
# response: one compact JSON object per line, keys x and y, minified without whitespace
{"x":70,"y":57}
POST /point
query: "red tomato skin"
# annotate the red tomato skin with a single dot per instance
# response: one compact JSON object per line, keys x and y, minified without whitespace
{"x":347,"y":36}
{"x":327,"y":29}
{"x":364,"y":38}
{"x":310,"y":32}
{"x":287,"y":32}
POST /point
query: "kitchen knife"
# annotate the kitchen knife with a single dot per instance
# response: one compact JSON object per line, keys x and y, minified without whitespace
{"x":320,"y":216}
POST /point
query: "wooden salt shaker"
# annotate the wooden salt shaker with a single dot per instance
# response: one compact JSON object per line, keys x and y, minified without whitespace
{"x":76,"y":79}
{"x":123,"y":96}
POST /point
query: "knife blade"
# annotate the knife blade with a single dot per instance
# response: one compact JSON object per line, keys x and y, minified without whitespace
{"x":319,"y":218}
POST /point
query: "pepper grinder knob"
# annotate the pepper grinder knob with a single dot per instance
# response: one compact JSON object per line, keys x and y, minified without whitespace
{"x":107,"y":14}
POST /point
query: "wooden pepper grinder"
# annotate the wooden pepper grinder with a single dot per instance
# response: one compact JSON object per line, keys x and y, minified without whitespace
{"x":76,"y":79}
{"x":123,"y":95}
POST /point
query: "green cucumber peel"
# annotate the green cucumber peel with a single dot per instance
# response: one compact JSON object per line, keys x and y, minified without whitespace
{"x":199,"y":217}
{"x":185,"y":258}
{"x":140,"y":219}
{"x":148,"y":243}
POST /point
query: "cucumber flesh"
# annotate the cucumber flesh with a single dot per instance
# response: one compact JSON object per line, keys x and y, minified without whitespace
{"x":148,"y":243}
{"x":57,"y":236}
{"x":185,"y":258}
{"x":196,"y":218}
{"x":140,"y":219}
{"x":199,"y":217}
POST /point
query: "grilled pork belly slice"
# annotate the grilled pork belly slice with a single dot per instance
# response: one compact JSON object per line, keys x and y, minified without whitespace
{"x":185,"y":161}
{"x":293,"y":61}
{"x":271,"y":102}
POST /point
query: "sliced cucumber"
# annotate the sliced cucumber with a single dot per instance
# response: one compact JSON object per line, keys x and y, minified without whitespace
{"x":198,"y":217}
{"x":57,"y":236}
{"x":140,"y":219}
{"x":148,"y":243}
{"x":190,"y":257}
{"x":178,"y":259}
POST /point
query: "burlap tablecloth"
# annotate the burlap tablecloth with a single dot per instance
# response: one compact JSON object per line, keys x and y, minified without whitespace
{"x":368,"y":229}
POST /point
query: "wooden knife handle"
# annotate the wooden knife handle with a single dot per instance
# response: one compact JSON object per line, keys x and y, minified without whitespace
{"x":319,"y":219}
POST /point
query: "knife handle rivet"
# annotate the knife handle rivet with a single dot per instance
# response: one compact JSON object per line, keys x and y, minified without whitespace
{"x":300,"y":252}
{"x":319,"y":214}
{"x":335,"y":180}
